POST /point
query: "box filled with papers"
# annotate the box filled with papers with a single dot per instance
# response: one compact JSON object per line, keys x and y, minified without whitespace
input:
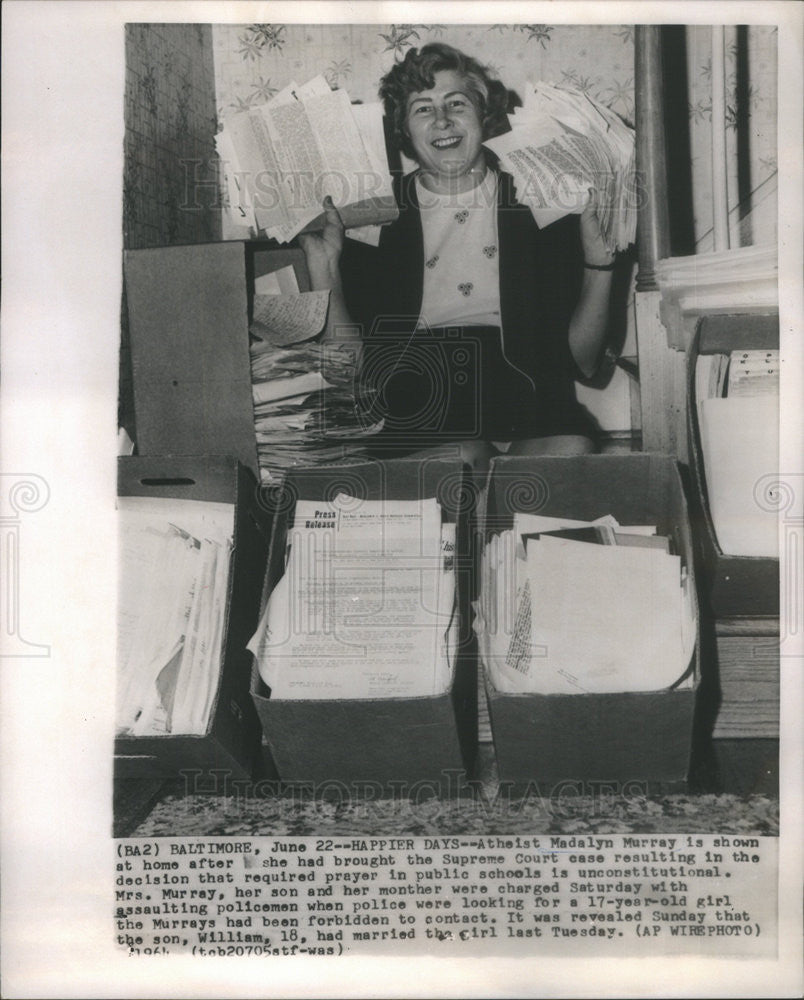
{"x":587,"y":620}
{"x":193,"y":550}
{"x":733,"y":422}
{"x":362,"y":672}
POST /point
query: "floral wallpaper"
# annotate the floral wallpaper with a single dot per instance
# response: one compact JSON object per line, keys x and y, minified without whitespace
{"x":181,"y":79}
{"x":253,"y":62}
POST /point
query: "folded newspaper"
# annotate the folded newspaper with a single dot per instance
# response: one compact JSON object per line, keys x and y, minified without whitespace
{"x":562,"y":144}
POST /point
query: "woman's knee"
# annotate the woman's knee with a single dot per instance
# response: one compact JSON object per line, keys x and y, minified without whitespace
{"x":475,"y":454}
{"x":556,"y":444}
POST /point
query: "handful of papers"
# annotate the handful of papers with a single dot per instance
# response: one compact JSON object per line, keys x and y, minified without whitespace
{"x":366,"y":605}
{"x":283,"y":157}
{"x":570,"y":606}
{"x":174,"y":565}
{"x":561,"y":144}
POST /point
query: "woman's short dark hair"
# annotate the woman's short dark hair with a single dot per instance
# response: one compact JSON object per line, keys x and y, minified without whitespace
{"x":417,"y":72}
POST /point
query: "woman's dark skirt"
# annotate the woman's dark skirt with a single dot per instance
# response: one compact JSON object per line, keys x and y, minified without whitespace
{"x":455,"y":384}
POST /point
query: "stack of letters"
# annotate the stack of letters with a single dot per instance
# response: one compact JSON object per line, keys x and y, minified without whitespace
{"x":306,"y":408}
{"x":568,"y":607}
{"x":716,"y":282}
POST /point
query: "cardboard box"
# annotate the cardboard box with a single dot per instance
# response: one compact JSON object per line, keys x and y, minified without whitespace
{"x":229,"y":746}
{"x":642,"y":737}
{"x":396,"y":746}
{"x":736,"y":586}
{"x":188,"y":314}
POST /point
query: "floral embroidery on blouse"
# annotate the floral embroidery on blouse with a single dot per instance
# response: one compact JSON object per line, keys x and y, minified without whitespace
{"x":461,"y":254}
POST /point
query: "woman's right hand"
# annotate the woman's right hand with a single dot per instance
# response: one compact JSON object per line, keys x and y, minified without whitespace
{"x":322,"y":250}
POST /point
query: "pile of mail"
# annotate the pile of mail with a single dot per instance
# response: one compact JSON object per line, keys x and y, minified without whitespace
{"x":366,"y":605}
{"x":569,"y":606}
{"x":174,"y":572}
{"x":562,"y":144}
{"x":308,"y":407}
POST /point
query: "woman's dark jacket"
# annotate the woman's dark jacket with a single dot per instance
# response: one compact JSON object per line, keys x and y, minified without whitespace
{"x":450,"y":384}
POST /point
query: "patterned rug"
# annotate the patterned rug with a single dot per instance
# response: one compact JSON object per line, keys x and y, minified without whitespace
{"x":209,"y":816}
{"x":489,"y":811}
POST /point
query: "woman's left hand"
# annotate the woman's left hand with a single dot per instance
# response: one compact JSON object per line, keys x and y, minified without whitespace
{"x":595,"y":251}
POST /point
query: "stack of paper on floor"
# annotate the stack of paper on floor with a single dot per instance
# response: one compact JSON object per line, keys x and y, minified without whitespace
{"x":174,"y":571}
{"x":559,"y":614}
{"x":561,"y":144}
{"x":738,"y":417}
{"x":306,"y":405}
{"x":366,"y":606}
{"x":283,"y":157}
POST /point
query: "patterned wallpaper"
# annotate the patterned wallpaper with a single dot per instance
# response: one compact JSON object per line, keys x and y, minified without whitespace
{"x":253,"y":62}
{"x":181,"y":79}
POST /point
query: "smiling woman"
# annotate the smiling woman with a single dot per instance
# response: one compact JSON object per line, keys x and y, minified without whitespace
{"x":474,"y":322}
{"x":446,"y":134}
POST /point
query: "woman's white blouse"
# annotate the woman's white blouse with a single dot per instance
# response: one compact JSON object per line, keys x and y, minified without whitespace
{"x":461,"y":256}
